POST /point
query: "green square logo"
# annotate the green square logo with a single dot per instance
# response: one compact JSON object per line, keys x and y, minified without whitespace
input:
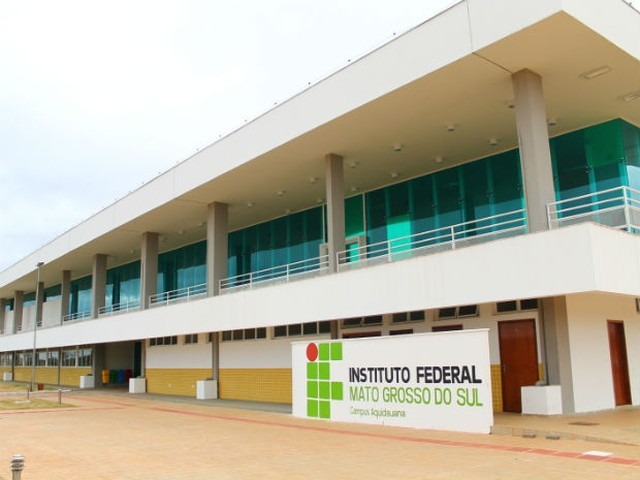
{"x":325,"y":390}
{"x":325,"y":409}
{"x":312,"y":370}
{"x":336,"y":390}
{"x":324,"y":352}
{"x":312,"y":389}
{"x":321,"y":391}
{"x":336,"y":351}
{"x":312,"y":408}
{"x":324,"y":372}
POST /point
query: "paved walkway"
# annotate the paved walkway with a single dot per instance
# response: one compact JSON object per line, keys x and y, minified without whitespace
{"x":114,"y":435}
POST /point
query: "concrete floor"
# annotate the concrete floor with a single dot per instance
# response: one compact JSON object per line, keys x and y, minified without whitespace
{"x":115,"y":435}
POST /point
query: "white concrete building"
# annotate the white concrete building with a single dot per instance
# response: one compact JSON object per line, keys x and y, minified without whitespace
{"x":481,"y":170}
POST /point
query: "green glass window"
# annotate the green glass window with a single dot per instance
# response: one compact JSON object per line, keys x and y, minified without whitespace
{"x":282,"y":241}
{"x":123,"y":285}
{"x":52,"y":293}
{"x":80,"y":296}
{"x":182,"y":268}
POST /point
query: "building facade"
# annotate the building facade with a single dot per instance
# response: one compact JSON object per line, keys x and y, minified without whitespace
{"x":480,"y":171}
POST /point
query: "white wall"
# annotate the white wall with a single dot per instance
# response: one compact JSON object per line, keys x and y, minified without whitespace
{"x":544,"y":264}
{"x":589,"y":344}
{"x":197,"y":355}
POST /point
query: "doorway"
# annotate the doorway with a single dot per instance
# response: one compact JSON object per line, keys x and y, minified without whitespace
{"x":619,"y":363}
{"x":518,"y":359}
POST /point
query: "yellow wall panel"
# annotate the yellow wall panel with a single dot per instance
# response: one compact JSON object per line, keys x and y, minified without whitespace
{"x":48,"y":375}
{"x":496,"y":387}
{"x":175,"y":381}
{"x":256,"y":384}
{"x":70,"y":376}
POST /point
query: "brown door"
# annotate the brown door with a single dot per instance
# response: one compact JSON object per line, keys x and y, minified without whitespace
{"x":619,"y":365}
{"x":519,"y":360}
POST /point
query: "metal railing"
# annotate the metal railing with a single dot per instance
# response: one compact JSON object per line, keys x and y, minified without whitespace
{"x":180,"y":295}
{"x":445,"y":238}
{"x":616,"y":207}
{"x":76,"y":316}
{"x":118,"y":308}
{"x":280,"y":274}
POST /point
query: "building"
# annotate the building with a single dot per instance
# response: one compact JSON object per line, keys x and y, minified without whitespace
{"x":481,"y":170}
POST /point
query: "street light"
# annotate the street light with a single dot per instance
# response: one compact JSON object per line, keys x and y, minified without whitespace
{"x":35,"y":325}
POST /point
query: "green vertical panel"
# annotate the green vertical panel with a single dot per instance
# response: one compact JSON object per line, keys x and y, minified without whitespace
{"x":507,"y":194}
{"x":324,"y":390}
{"x":312,"y":389}
{"x":422,"y":204}
{"x":324,"y":409}
{"x":313,"y":409}
{"x":336,"y":391}
{"x":570,"y":162}
{"x":477,"y":197}
{"x":447,"y":191}
{"x":324,"y":370}
{"x":605,"y":155}
{"x":312,"y":370}
{"x":324,"y":352}
{"x":354,"y":216}
{"x":376,"y":214}
{"x":398,"y":216}
{"x":631,"y":146}
{"x":279,"y":232}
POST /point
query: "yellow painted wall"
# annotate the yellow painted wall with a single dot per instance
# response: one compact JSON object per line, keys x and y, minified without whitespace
{"x":175,"y":381}
{"x":256,"y":384}
{"x":47,"y":375}
{"x":4,"y":369}
{"x":70,"y":376}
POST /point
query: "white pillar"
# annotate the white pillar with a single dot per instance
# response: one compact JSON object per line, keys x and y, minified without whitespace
{"x":18,"y":304}
{"x":98,"y":283}
{"x":535,"y":155}
{"x":335,"y":208}
{"x":3,"y":306}
{"x":148,"y":268}
{"x":65,"y":294}
{"x":217,"y":249}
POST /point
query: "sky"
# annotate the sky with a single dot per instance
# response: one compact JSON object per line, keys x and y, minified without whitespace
{"x":97,"y":98}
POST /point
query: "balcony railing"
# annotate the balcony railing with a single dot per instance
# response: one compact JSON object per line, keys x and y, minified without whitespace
{"x":616,"y":207}
{"x":77,"y":316}
{"x":446,"y":238}
{"x":180,"y":295}
{"x":117,"y":308}
{"x":280,"y":274}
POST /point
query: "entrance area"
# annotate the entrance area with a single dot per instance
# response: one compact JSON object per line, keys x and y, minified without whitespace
{"x":619,"y":364}
{"x":518,"y":359}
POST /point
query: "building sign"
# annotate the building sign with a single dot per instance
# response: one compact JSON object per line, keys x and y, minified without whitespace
{"x":439,"y":381}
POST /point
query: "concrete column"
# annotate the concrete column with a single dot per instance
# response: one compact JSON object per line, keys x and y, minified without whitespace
{"x":99,"y":363}
{"x":215,"y":356}
{"x":557,"y":349}
{"x":535,"y":155}
{"x":3,"y":306}
{"x":217,"y":250}
{"x":18,"y":303}
{"x":98,"y":283}
{"x":148,"y":267}
{"x":335,"y":208}
{"x":39,"y":303}
{"x":65,"y":294}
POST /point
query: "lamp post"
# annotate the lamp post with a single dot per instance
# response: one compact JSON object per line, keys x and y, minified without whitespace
{"x":35,"y":325}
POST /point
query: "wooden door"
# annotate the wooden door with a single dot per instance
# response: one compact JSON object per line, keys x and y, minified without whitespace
{"x":518,"y":359}
{"x":619,"y":364}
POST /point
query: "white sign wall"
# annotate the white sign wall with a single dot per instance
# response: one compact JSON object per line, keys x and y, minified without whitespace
{"x":438,"y":381}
